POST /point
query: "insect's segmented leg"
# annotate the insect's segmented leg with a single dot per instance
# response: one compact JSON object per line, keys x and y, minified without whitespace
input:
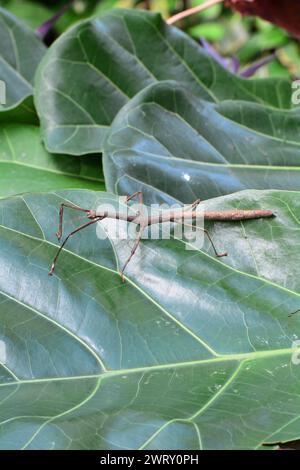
{"x":135,"y":246}
{"x":67,"y":238}
{"x":137,"y":194}
{"x":219,"y":255}
{"x":61,"y":215}
{"x":193,"y":206}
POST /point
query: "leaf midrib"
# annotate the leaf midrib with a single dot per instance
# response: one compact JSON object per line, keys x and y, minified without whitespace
{"x":242,"y":357}
{"x":171,"y":48}
{"x":174,"y":319}
{"x":203,"y":163}
{"x":238,"y":81}
{"x":226,"y":118}
{"x":35,"y":167}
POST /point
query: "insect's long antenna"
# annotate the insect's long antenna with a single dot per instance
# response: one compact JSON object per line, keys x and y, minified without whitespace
{"x":67,"y":238}
{"x":219,"y":255}
{"x":61,"y":215}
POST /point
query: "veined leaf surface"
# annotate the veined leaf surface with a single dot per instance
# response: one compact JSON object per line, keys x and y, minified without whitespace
{"x":25,"y":165}
{"x":173,"y":145}
{"x":20,"y":53}
{"x":93,"y":69}
{"x":191,"y":352}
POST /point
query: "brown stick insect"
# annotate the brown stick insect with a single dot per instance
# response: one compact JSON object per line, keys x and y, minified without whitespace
{"x":143,"y":221}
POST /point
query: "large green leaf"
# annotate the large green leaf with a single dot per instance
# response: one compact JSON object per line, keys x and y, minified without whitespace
{"x":191,"y":352}
{"x":20,"y":53}
{"x":168,"y":140}
{"x":92,"y":70}
{"x":25,"y":166}
{"x":31,"y":13}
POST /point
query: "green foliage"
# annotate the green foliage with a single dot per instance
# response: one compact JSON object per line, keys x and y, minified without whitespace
{"x":30,"y":12}
{"x":92,"y":71}
{"x":26,"y":166}
{"x":170,"y":143}
{"x":192,"y":351}
{"x":20,"y":53}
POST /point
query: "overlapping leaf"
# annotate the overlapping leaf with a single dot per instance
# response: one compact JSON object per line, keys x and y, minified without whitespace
{"x":192,"y":352}
{"x":172,"y":144}
{"x":25,"y":166}
{"x":92,"y":70}
{"x":33,"y":14}
{"x":20,"y":53}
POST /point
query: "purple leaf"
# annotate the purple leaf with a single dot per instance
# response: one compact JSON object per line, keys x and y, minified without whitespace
{"x":233,"y":63}
{"x":253,"y":68}
{"x":44,"y":29}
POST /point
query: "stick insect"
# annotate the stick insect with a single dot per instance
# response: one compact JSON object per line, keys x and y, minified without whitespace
{"x":143,"y":221}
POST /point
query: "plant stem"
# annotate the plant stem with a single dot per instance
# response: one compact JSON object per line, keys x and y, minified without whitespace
{"x":192,"y":11}
{"x":147,"y":4}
